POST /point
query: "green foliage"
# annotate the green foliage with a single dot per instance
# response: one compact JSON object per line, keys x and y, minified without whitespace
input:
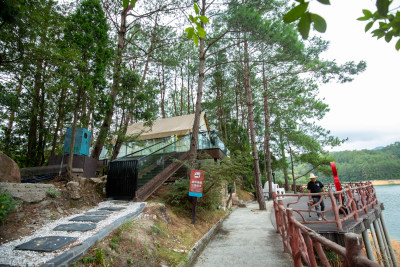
{"x":53,"y":193}
{"x":306,"y":18}
{"x":178,"y":195}
{"x":197,"y":31}
{"x":7,"y":205}
{"x":388,"y":22}
{"x":363,"y":165}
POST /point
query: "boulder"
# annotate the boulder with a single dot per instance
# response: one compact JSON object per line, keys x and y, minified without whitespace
{"x":74,"y":190}
{"x":9,"y":171}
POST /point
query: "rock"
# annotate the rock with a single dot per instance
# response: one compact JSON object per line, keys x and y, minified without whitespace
{"x":9,"y":171}
{"x":74,"y":190}
{"x":96,"y":180}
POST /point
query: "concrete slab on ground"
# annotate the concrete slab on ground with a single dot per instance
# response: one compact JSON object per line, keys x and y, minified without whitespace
{"x":246,"y":238}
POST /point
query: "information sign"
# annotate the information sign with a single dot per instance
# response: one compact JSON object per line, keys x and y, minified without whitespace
{"x":196,"y":183}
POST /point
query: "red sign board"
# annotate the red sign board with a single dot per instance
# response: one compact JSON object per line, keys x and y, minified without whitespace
{"x":196,"y":183}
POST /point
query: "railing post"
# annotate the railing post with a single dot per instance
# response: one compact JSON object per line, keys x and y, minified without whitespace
{"x":294,"y":241}
{"x":354,"y":254}
{"x":335,"y":210}
{"x":284,"y":227}
{"x":353,"y":204}
{"x":310,"y":251}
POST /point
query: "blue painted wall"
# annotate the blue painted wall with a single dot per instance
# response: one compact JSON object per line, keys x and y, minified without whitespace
{"x":82,"y":141}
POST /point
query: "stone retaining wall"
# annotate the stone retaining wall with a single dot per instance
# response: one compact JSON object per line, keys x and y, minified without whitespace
{"x":27,"y":192}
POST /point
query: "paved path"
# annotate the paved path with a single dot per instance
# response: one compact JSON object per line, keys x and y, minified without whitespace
{"x":246,"y":238}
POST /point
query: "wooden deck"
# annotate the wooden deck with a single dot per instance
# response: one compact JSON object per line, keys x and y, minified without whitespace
{"x":329,"y":227}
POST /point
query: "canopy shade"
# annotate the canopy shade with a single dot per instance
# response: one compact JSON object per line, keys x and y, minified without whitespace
{"x":181,"y":125}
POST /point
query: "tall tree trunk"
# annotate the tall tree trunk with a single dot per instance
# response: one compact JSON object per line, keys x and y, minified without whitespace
{"x":74,"y":124}
{"x":105,"y":126}
{"x":41,"y":142}
{"x":219,"y":110}
{"x":124,"y":128}
{"x":237,"y":104}
{"x":292,"y":163}
{"x":181,"y":90}
{"x":7,"y":133}
{"x":284,"y":163}
{"x":162,"y":91}
{"x":249,"y":100}
{"x":84,"y":114}
{"x":196,"y":124}
{"x":188,"y":86}
{"x":267,"y":134}
{"x":174,"y":95}
{"x":59,"y":118}
{"x":32,"y":135}
{"x":223,"y":112}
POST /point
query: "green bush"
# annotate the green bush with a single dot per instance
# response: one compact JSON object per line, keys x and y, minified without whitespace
{"x":178,"y":195}
{"x":7,"y":205}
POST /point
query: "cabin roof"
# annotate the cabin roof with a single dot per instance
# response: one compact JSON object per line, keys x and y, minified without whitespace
{"x":181,"y":125}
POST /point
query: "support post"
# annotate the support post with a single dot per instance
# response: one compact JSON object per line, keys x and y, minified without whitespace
{"x":379,"y":259}
{"x":389,"y":242}
{"x":368,"y":246}
{"x":381,"y":245}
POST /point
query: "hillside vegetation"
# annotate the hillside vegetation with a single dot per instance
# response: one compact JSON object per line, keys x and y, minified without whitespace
{"x":362,"y":165}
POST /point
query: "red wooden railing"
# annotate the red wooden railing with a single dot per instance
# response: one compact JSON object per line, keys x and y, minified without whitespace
{"x":359,"y":197}
{"x":304,"y":243}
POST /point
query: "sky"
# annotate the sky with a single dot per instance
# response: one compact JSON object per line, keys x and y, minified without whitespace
{"x":367,"y":110}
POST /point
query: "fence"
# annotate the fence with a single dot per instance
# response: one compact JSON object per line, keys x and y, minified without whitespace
{"x":306,"y":246}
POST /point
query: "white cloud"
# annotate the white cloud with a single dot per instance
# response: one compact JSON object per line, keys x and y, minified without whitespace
{"x":367,"y":109}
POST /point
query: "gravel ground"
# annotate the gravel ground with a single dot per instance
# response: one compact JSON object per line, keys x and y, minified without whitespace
{"x":31,"y":258}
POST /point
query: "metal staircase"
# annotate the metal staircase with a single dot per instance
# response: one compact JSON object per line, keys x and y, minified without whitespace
{"x":138,"y":175}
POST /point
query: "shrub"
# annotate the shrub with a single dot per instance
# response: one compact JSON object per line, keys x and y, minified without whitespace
{"x":7,"y":205}
{"x":53,"y":193}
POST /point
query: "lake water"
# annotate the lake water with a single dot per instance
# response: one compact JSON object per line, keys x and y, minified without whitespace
{"x":389,"y":195}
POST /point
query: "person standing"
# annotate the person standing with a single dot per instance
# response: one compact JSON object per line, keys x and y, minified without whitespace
{"x":315,"y":186}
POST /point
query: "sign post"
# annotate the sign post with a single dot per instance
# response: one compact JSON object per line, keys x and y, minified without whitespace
{"x":196,"y":189}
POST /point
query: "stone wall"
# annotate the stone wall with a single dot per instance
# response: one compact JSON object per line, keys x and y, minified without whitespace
{"x":28,"y":192}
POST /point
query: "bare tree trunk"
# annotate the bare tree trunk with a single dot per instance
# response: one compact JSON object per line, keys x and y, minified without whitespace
{"x":191,"y":93}
{"x":188,"y":86}
{"x":72,"y":148}
{"x":124,"y":128}
{"x":39,"y":160}
{"x":32,"y":135}
{"x":267,"y":134}
{"x":219,"y":110}
{"x":284,"y":163}
{"x":196,"y":124}
{"x":292,"y":163}
{"x":237,"y":104}
{"x":7,"y":133}
{"x":174,"y":95}
{"x":249,"y":100}
{"x":223,"y":112}
{"x":59,"y":118}
{"x":181,"y":90}
{"x":162,"y":91}
{"x":105,"y":127}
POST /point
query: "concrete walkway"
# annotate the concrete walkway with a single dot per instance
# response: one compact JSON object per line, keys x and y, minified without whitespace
{"x":246,"y":238}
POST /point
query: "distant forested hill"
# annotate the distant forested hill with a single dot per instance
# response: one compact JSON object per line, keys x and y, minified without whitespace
{"x":382,"y":164}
